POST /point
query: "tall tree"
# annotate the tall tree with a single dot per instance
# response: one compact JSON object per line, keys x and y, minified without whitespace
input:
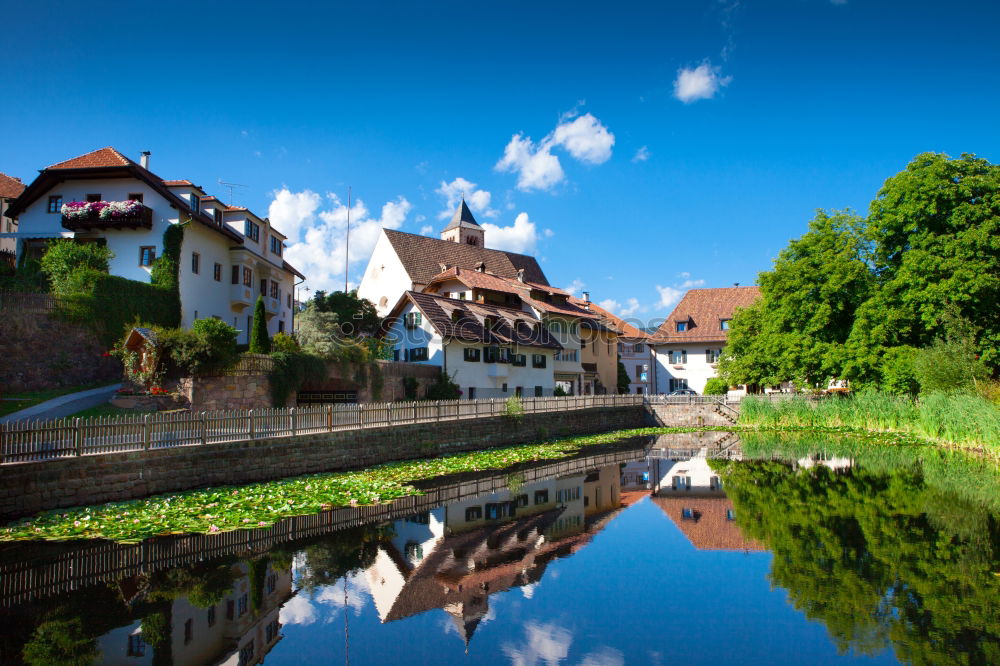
{"x":260,"y":342}
{"x":356,"y":316}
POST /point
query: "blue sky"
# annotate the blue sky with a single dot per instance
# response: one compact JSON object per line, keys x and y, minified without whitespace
{"x":651,"y":146}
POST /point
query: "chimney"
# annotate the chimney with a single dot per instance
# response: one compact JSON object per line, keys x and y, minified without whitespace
{"x":736,"y":284}
{"x":520,"y":275}
{"x":144,"y":160}
{"x":586,"y":297}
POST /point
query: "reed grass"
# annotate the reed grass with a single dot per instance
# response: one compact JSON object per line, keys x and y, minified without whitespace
{"x":954,"y":420}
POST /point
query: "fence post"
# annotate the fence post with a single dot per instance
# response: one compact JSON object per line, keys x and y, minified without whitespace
{"x":146,"y":435}
{"x":329,"y":418}
{"x":414,"y":411}
{"x":250,"y":418}
{"x":204,"y":428}
{"x":438,"y":403}
{"x":77,"y":439}
{"x":293,"y":417}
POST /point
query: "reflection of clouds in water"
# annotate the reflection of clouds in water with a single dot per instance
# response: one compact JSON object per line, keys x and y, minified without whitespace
{"x":328,"y":602}
{"x":544,"y":644}
{"x":529,"y":590}
{"x":449,"y":627}
{"x":604,"y":656}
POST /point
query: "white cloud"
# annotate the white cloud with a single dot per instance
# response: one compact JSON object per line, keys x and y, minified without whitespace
{"x":543,"y":644}
{"x":702,"y":82}
{"x":610,"y":305}
{"x":298,"y":610}
{"x":521,"y":237}
{"x":478,"y":200}
{"x":641,"y":155}
{"x":669,"y":296}
{"x":427,"y":230}
{"x":603,"y":656}
{"x":575,"y":286}
{"x":631,"y":307}
{"x":584,"y":137}
{"x":317,"y":238}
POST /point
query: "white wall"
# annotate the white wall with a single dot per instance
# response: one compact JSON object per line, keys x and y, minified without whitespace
{"x":631,"y":359}
{"x":201,"y":295}
{"x":385,"y":279}
{"x":697,"y":370}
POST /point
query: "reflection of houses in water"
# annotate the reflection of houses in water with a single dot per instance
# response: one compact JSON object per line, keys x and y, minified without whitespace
{"x":455,"y":556}
{"x":834,"y":463}
{"x":231,"y":632}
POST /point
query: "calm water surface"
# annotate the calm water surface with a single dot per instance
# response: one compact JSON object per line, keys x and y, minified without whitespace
{"x":683,"y":549}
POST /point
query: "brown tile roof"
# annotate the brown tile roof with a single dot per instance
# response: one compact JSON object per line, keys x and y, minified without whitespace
{"x":703,"y":310}
{"x":567,"y":308}
{"x":623,"y":328}
{"x":469,"y":324}
{"x":422,"y":258}
{"x":10,"y":187}
{"x":104,"y":157}
{"x":710,"y":529}
{"x":474,"y":279}
{"x":179,"y":183}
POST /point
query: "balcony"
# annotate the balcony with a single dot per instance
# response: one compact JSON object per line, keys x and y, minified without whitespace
{"x":241,"y":296}
{"x":272,"y":306}
{"x":496,"y":370}
{"x":100,"y":215}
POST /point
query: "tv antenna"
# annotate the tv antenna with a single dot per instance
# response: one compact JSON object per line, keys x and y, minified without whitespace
{"x":231,"y":186}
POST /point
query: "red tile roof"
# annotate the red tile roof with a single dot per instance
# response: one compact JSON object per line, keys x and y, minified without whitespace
{"x":703,"y":310}
{"x":623,"y":328}
{"x":179,"y":183}
{"x":10,"y":187}
{"x":105,"y":157}
{"x":710,"y":527}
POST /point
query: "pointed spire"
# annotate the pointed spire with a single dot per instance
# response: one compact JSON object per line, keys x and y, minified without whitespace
{"x":463,"y":217}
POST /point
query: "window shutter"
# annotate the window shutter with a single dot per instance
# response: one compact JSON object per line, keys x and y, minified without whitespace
{"x":684,"y":356}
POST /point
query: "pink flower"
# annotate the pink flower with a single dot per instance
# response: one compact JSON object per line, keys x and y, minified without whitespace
{"x":262,"y":524}
{"x":213,"y":528}
{"x":77,"y":523}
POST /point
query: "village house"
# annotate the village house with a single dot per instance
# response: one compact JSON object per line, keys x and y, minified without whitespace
{"x":229,"y":255}
{"x":10,"y":189}
{"x":632,"y":349}
{"x":598,"y":349}
{"x":688,"y":345}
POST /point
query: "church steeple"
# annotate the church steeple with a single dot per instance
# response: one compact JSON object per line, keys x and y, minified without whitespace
{"x":463,"y":228}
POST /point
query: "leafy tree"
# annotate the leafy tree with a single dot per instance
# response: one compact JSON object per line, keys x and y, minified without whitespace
{"x":716,"y":386}
{"x":443,"y":389}
{"x":356,"y":316}
{"x":897,"y":370}
{"x":65,"y":257}
{"x":951,"y":363}
{"x":284,"y":342}
{"x":623,"y":379}
{"x":210,"y":346}
{"x":260,"y":342}
{"x":61,"y":641}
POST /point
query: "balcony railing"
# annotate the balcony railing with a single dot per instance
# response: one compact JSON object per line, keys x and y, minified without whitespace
{"x":87,"y":216}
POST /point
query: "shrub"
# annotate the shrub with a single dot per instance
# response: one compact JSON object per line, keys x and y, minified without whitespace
{"x":65,"y":257}
{"x":164,"y":273}
{"x":716,"y":386}
{"x":948,"y":366}
{"x":209,"y":347}
{"x":513,"y":408}
{"x":560,"y":392}
{"x":623,"y":380}
{"x":410,"y":385}
{"x":898,"y":374}
{"x":260,"y":342}
{"x":443,"y":389}
{"x":112,"y":305}
{"x":291,"y":371}
{"x":284,"y":343}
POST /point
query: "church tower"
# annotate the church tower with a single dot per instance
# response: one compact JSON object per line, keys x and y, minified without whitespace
{"x":463,"y":228}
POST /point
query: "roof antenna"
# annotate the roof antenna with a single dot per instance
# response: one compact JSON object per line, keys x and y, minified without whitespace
{"x":231,"y":187}
{"x":347,"y":242}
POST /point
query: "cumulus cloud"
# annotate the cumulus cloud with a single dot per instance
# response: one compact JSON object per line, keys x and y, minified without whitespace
{"x":701,"y":82}
{"x":631,"y":307}
{"x":575,"y":286}
{"x":477,"y":199}
{"x":316,"y":227}
{"x":641,"y":155}
{"x":584,"y":137}
{"x":521,"y":237}
{"x":603,"y":656}
{"x":669,"y":296}
{"x":543,"y":644}
{"x":426,"y":230}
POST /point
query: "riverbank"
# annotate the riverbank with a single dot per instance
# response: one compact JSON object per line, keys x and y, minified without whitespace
{"x":956,"y":421}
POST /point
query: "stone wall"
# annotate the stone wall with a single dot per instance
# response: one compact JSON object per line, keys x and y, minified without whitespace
{"x":27,"y":488}
{"x":207,"y":394}
{"x":691,"y":415}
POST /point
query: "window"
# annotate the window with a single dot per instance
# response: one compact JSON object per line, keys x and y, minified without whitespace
{"x":471,"y":240}
{"x":188,"y":631}
{"x":93,"y":198}
{"x":271,"y":631}
{"x":682,"y":326}
{"x":195,"y":262}
{"x":263,"y":286}
{"x":712,"y":355}
{"x":147,"y":255}
{"x":491,"y":354}
{"x":136,"y":646}
{"x":217,"y":216}
{"x":236,"y":274}
{"x":230,"y":609}
{"x":414,"y":551}
{"x":522,"y":500}
{"x":519,"y":360}
{"x":272,"y":583}
{"x":276,"y":245}
{"x":274,"y":289}
{"x":504,"y":388}
{"x":541,"y":496}
{"x":288,"y":299}
{"x":724,"y":324}
{"x":195,"y":202}
{"x":681,"y":483}
{"x":472,"y":354}
{"x":637,"y":348}
{"x":55,"y":203}
{"x":413,"y":320}
{"x":714,"y":483}
{"x":247,"y":277}
{"x":416,"y":354}
{"x":678,"y":356}
{"x":677,"y":384}
{"x":730,"y":514}
{"x":472,"y":393}
{"x":538,"y":391}
{"x":211,"y":616}
{"x":538,"y":360}
{"x":281,"y":326}
{"x":687,"y":514}
{"x":473,"y":513}
{"x":246,"y":654}
{"x":217,"y":272}
{"x":505,"y":355}
{"x":638,"y":373}
{"x":241,"y":606}
{"x":251,"y":230}
{"x":135,"y":196}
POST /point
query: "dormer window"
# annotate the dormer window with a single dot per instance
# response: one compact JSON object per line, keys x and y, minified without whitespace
{"x":195,"y":203}
{"x":682,"y":326}
{"x":724,"y":324}
{"x":413,"y":320}
{"x":471,"y":240}
{"x":481,"y":267}
{"x":251,"y":230}
{"x":276,"y":245}
{"x":217,"y":216}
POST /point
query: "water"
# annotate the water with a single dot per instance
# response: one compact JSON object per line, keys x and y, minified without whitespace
{"x":679,"y":549}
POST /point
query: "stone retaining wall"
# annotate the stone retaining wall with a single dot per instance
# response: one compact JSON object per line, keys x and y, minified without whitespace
{"x":27,"y":488}
{"x":691,"y":415}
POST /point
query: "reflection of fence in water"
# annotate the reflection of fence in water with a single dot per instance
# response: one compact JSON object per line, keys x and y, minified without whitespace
{"x":36,"y":574}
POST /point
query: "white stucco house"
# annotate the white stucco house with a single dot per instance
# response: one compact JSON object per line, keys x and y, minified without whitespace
{"x":687,"y":346}
{"x":10,"y":190}
{"x":229,"y":255}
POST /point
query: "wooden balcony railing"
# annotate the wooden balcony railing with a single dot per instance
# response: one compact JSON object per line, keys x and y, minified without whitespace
{"x":143,"y":219}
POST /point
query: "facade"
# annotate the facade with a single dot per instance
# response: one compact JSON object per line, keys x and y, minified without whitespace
{"x":598,"y":350}
{"x":10,"y":189}
{"x":228,"y":255}
{"x":633,"y":350}
{"x":688,"y":345}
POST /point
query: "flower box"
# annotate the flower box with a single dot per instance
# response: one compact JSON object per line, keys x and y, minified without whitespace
{"x":84,"y":215}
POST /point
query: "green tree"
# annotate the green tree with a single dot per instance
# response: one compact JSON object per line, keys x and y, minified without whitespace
{"x":623,"y":379}
{"x":951,"y":363}
{"x":65,"y":257}
{"x":716,"y":386}
{"x":355,"y":316}
{"x":260,"y":343}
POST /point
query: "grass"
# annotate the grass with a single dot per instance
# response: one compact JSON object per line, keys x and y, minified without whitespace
{"x":15,"y":402}
{"x":952,"y":420}
{"x":227,"y":508}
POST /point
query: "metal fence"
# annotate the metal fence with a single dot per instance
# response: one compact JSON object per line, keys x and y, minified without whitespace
{"x":30,"y":441}
{"x":23,"y":302}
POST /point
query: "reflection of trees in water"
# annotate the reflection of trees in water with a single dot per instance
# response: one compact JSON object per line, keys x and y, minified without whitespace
{"x":881,"y":558}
